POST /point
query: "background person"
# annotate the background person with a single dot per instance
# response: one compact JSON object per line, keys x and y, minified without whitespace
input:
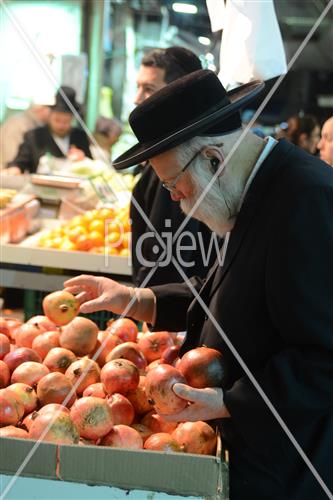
{"x":272,"y":296}
{"x":107,"y":133}
{"x":304,"y":131}
{"x":158,"y":68}
{"x":325,"y":144}
{"x":58,"y":138}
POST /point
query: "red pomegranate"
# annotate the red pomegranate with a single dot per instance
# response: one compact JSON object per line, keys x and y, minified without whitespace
{"x":45,"y":342}
{"x":203,"y":367}
{"x":4,"y":375}
{"x":152,"y":365}
{"x":153,"y":344}
{"x":143,"y":430}
{"x":139,"y":398}
{"x":11,"y":409}
{"x":61,"y":307}
{"x":26,"y":333}
{"x":196,"y":437}
{"x":13,"y":432}
{"x":83,"y":373}
{"x":79,"y":336}
{"x":130,"y":351}
{"x":54,"y":428}
{"x":119,"y":375}
{"x":92,"y":416}
{"x":27,"y":421}
{"x":26,"y":395}
{"x":162,"y":441}
{"x":159,"y":384}
{"x":122,"y":409}
{"x":8,"y":326}
{"x":170,"y":355}
{"x":4,"y":329}
{"x":29,"y":373}
{"x":123,"y":436}
{"x":124,"y":328}
{"x":53,"y":408}
{"x":56,"y":388}
{"x":59,"y":359}
{"x":105,"y":343}
{"x":42,"y":322}
{"x":95,"y":390}
{"x":157,"y":423}
{"x":21,"y":355}
{"x":4,"y":345}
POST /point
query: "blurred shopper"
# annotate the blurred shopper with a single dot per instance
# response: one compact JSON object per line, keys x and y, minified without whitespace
{"x":325,"y":144}
{"x":158,"y":68}
{"x":304,"y":131}
{"x":13,"y":129}
{"x":107,"y":132}
{"x":58,"y":138}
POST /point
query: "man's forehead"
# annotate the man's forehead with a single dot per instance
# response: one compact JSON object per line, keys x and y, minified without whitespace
{"x":150,"y":74}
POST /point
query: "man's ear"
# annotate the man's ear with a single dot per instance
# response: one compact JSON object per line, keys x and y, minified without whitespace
{"x":216,"y":157}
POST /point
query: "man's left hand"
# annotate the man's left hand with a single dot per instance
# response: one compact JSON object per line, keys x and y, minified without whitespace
{"x":205,"y":404}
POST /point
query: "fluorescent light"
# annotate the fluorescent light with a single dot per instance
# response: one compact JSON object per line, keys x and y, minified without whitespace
{"x":185,"y":8}
{"x":204,"y":40}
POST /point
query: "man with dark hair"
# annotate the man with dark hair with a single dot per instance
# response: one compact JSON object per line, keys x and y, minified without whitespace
{"x":158,"y":68}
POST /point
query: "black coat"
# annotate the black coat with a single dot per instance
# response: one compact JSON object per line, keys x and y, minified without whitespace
{"x":39,"y":141}
{"x":156,"y":203}
{"x":274,"y":300}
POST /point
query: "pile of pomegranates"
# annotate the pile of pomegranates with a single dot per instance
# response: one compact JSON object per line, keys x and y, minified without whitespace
{"x":64,"y":381}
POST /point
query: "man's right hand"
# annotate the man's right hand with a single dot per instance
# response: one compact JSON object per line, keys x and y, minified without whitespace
{"x":98,"y":294}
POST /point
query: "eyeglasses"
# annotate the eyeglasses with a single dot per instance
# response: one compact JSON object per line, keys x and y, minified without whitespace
{"x":170,"y":185}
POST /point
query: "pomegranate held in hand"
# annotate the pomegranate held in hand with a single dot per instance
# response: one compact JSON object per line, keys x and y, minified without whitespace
{"x":202,"y":367}
{"x":60,"y":307}
{"x":159,"y":384}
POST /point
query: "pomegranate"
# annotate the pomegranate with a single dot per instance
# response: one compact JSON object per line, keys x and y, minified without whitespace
{"x":21,"y":355}
{"x":162,"y":441}
{"x":123,"y":436}
{"x":11,"y":409}
{"x":124,"y":328}
{"x":95,"y":390}
{"x":159,"y":383}
{"x":105,"y":343}
{"x":153,"y":344}
{"x":4,"y":375}
{"x":83,"y":373}
{"x":53,"y":408}
{"x":26,"y":395}
{"x":59,"y":359}
{"x":80,"y":336}
{"x":130,"y":351}
{"x":26,"y":333}
{"x":4,"y":329}
{"x":44,"y":342}
{"x":60,"y":307}
{"x":196,"y":437}
{"x":119,"y":375}
{"x":42,"y":322}
{"x":92,"y":416}
{"x":27,"y":421}
{"x":143,"y":430}
{"x":122,"y":409}
{"x":29,"y":373}
{"x":170,"y":355}
{"x":153,"y":364}
{"x":13,"y":432}
{"x":4,"y":345}
{"x":55,"y":388}
{"x":8,"y":326}
{"x":157,"y":423}
{"x":139,"y":398}
{"x":203,"y":367}
{"x":54,"y":428}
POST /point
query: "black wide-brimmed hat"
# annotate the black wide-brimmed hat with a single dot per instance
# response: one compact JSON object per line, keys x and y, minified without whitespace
{"x":61,"y":104}
{"x":196,"y":104}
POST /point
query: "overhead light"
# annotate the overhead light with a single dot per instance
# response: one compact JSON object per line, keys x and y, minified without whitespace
{"x":185,"y":8}
{"x":204,"y":40}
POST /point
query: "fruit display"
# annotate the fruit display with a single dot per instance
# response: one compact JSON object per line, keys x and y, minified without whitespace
{"x":101,"y":231}
{"x":72,"y":384}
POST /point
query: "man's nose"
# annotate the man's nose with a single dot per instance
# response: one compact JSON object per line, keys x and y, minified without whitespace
{"x":139,"y":98}
{"x":176,"y":196}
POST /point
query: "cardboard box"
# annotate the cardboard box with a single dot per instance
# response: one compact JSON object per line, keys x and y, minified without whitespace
{"x":173,"y":473}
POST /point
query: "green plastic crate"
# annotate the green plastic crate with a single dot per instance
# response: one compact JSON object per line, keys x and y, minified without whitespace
{"x":32,"y":305}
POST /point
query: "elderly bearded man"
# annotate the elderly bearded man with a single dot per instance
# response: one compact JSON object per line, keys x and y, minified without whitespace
{"x":272,"y":296}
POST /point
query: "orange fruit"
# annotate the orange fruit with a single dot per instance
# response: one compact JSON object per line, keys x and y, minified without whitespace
{"x":124,"y":252}
{"x":78,"y":220}
{"x":67,"y":245}
{"x":75,"y":232}
{"x":106,"y":213}
{"x":97,"y":225}
{"x":111,"y":251}
{"x":126,"y":240}
{"x":83,"y":243}
{"x":96,"y":238}
{"x":114,"y":239}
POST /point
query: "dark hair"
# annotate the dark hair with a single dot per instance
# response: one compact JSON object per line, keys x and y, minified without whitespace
{"x":176,"y":61}
{"x":303,"y":125}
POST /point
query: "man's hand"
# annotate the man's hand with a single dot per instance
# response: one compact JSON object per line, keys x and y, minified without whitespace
{"x":98,"y":294}
{"x":12,"y":171}
{"x":75,"y":154}
{"x":205,"y":404}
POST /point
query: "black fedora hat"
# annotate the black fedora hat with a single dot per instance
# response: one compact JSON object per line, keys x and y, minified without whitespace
{"x":196,"y":104}
{"x":61,"y":104}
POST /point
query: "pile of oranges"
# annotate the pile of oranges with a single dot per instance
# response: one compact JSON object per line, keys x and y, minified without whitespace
{"x":104,"y":230}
